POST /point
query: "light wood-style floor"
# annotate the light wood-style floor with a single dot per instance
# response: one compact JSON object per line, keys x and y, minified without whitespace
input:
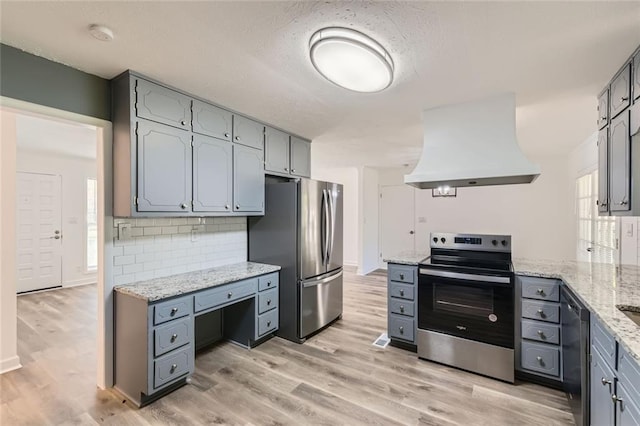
{"x":337,"y":377}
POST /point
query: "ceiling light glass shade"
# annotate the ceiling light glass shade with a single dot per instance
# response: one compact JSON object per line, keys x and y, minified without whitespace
{"x":351,"y":59}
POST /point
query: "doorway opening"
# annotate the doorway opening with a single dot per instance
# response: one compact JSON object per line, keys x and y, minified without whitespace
{"x":397,"y":221}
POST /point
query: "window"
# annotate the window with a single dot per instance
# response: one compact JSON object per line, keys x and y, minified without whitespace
{"x":92,"y":224}
{"x":597,"y":235}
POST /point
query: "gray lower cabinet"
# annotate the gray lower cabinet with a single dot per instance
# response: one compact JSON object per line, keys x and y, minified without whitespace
{"x":248,"y":180}
{"x":300,"y":157}
{"x":615,"y":381}
{"x":212,"y":174}
{"x":210,"y":120}
{"x":163,"y":168}
{"x":603,"y":171}
{"x":538,"y":337}
{"x":619,"y":163}
{"x":402,"y":281}
{"x":248,"y":132}
{"x":276,"y":151}
{"x":155,"y":342}
{"x":162,"y":105}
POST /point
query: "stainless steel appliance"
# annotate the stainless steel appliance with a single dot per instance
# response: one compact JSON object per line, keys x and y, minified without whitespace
{"x":575,"y":355}
{"x":302,"y":232}
{"x":466,"y":304}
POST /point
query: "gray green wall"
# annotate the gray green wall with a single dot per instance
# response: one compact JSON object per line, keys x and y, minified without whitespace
{"x":40,"y":81}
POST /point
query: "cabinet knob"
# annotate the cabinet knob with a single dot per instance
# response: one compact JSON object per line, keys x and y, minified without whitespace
{"x":541,"y":334}
{"x":226,"y":206}
{"x":401,"y":292}
{"x":402,"y":276}
{"x":540,"y":292}
{"x":624,"y":99}
{"x":293,"y":170}
{"x":539,"y":359}
{"x":229,"y":295}
{"x":268,"y":323}
{"x":623,"y":202}
{"x":226,"y":135}
{"x":173,"y":311}
{"x":603,"y":118}
{"x":286,"y":169}
{"x":174,"y":337}
{"x":615,"y":398}
{"x":541,"y":313}
{"x":183,"y":206}
{"x":605,"y":382}
{"x":237,"y":138}
{"x":401,"y":330}
{"x":402,"y":308}
{"x":237,"y":206}
{"x":173,"y":368}
{"x":268,"y":283}
{"x":184,"y":123}
{"x":268,"y":302}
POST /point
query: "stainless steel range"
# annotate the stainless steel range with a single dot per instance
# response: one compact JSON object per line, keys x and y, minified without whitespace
{"x":466,"y":304}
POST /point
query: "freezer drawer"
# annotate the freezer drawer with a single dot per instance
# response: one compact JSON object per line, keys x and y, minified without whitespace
{"x":320,"y":302}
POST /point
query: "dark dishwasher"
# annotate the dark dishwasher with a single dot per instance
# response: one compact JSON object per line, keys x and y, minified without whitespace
{"x":575,"y":355}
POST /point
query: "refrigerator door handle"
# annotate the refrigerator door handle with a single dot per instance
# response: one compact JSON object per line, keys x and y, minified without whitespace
{"x":333,"y":225}
{"x":325,"y":207}
{"x":315,"y":282}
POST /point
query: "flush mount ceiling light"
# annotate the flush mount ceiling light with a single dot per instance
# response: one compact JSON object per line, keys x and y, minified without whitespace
{"x":351,"y":59}
{"x":101,"y":32}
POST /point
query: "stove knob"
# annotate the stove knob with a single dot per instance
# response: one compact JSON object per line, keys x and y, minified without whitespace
{"x":443,"y":239}
{"x":494,"y":242}
{"x":504,"y":242}
{"x":435,"y":239}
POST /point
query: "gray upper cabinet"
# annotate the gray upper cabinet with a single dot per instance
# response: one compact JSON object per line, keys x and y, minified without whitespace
{"x":636,"y":76}
{"x":300,"y":157}
{"x":276,"y":151}
{"x":620,"y":91}
{"x":212,"y":121}
{"x":619,"y":163}
{"x":162,"y":105}
{"x":164,"y":168}
{"x":212,"y":174}
{"x":603,"y":109}
{"x":248,"y":132}
{"x":603,"y":174}
{"x":248,"y":179}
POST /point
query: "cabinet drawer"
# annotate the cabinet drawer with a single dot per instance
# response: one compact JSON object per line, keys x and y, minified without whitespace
{"x":228,"y":293}
{"x":604,"y":342}
{"x":543,"y":332}
{"x":400,"y":273}
{"x":403,"y":291}
{"x":173,"y":366}
{"x":162,"y":105}
{"x":267,"y":300}
{"x":540,"y":288}
{"x":541,"y":358}
{"x":172,"y":336}
{"x":629,"y":373}
{"x":401,"y":327}
{"x":266,"y":282}
{"x":542,"y":311}
{"x":267,"y":322}
{"x":171,"y":309}
{"x":620,"y":91}
{"x":402,"y":307}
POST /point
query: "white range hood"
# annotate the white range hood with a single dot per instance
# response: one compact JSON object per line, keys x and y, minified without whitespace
{"x":472,"y":144}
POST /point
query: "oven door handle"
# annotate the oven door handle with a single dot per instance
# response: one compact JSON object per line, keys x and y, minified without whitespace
{"x":463,"y":276}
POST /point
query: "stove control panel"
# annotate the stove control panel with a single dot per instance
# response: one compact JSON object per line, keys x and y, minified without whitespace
{"x":476,"y":242}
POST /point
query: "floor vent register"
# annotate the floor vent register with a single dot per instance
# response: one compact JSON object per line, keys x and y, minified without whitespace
{"x":382,"y":341}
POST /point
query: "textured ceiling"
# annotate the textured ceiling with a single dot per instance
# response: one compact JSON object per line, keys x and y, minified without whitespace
{"x":252,"y":57}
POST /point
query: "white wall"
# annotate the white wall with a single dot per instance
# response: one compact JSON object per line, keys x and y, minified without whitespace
{"x":368,"y":217}
{"x":8,"y":302}
{"x":348,"y":177}
{"x":537,"y":215}
{"x":74,"y":172}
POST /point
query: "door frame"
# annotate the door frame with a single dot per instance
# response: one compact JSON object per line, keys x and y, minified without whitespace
{"x":8,"y":243}
{"x":381,"y":263}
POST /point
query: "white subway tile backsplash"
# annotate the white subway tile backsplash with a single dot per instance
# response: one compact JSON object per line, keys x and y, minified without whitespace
{"x":123,"y":260}
{"x":132,"y":250}
{"x":162,"y":222}
{"x":152,"y":230}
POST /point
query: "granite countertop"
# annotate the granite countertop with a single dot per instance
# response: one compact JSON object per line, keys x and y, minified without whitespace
{"x":602,"y":288}
{"x":175,"y":285}
{"x":408,"y":257}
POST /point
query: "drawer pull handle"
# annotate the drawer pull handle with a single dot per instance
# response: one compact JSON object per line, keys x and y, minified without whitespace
{"x":174,"y":337}
{"x":541,"y":334}
{"x":624,"y":99}
{"x":268,"y":323}
{"x":401,"y":330}
{"x":268,"y":283}
{"x":173,"y":368}
{"x":615,"y":398}
{"x":173,"y":311}
{"x":229,"y":295}
{"x":401,"y":292}
{"x":402,"y":308}
{"x":402,"y":276}
{"x":541,"y":313}
{"x":268,"y":302}
{"x":540,"y":292}
{"x":605,"y":382}
{"x":540,"y":360}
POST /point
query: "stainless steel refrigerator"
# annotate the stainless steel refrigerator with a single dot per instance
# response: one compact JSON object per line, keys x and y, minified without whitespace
{"x":302,"y":232}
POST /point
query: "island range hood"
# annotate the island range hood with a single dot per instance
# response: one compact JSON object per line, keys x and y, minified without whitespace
{"x":472,"y":144}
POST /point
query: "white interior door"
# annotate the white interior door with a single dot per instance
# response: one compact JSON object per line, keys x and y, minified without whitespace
{"x":39,"y":231}
{"x":397,"y":213}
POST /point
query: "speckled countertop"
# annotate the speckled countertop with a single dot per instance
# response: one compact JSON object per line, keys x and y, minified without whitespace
{"x":603,"y":288}
{"x":408,"y":257}
{"x":175,"y":285}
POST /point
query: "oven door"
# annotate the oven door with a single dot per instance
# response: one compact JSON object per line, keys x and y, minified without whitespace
{"x":475,"y":307}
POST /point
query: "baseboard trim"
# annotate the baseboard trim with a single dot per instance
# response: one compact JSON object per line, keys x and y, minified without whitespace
{"x":10,"y":364}
{"x":83,"y":281}
{"x":349,"y":263}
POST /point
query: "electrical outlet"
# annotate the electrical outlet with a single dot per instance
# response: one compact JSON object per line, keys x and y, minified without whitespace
{"x":124,"y":231}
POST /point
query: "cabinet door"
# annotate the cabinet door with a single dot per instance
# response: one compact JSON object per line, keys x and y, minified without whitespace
{"x":212,"y":174}
{"x":276,"y":151}
{"x":620,"y":91}
{"x":248,"y":179}
{"x":603,"y":171}
{"x":636,"y":76}
{"x":619,"y":165}
{"x":212,"y":121}
{"x":603,"y":109}
{"x":300,"y":157}
{"x":248,"y":132}
{"x":602,"y":383}
{"x":164,"y":168}
{"x":627,"y":412}
{"x":162,"y":105}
